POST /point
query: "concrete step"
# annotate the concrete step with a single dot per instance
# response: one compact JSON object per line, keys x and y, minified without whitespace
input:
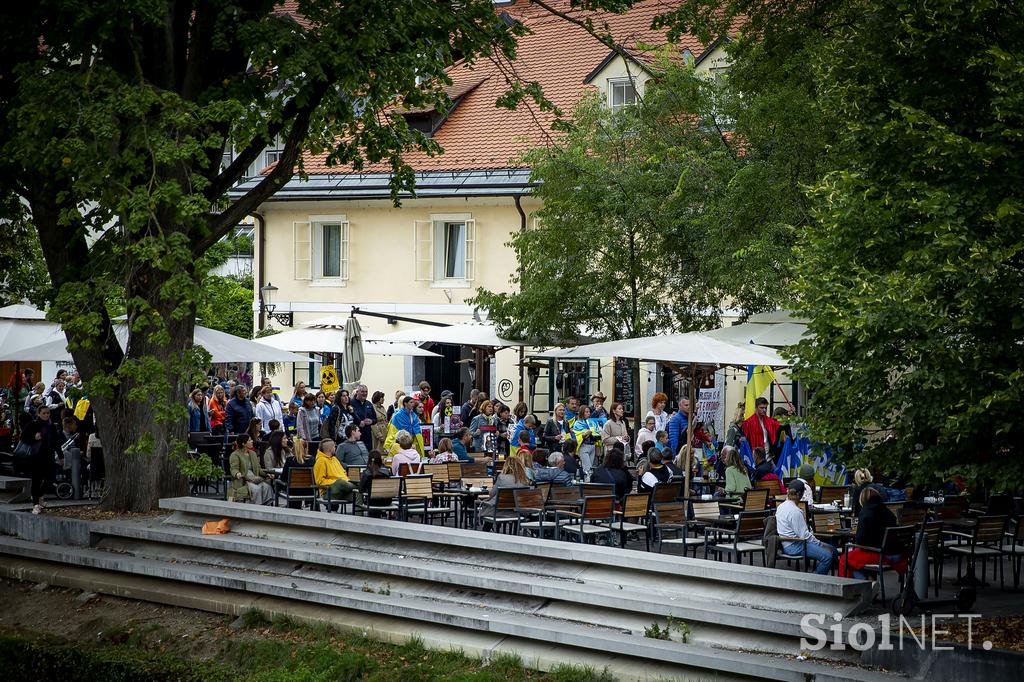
{"x":690,"y":661}
{"x":624,"y":604}
{"x":718,"y":582}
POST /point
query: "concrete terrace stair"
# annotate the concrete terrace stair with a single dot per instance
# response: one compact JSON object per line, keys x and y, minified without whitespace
{"x":549,"y":601}
{"x":14,"y":489}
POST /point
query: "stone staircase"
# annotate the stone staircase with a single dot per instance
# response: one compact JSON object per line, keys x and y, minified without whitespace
{"x":550,"y":602}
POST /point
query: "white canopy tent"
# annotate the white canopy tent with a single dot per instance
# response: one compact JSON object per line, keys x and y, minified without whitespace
{"x":680,"y":349}
{"x":683,"y":350}
{"x":481,"y":334}
{"x":774,"y":334}
{"x":222,"y":347}
{"x":24,"y":325}
{"x":331,"y":339}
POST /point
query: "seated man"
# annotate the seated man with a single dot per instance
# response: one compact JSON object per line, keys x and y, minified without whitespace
{"x":353,"y":450}
{"x":463,"y":439}
{"x":554,"y":472}
{"x":764,"y":470}
{"x":329,"y":473}
{"x":792,"y":523}
{"x":656,"y":472}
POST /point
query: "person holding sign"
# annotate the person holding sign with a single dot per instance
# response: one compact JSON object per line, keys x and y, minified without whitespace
{"x":329,"y":379}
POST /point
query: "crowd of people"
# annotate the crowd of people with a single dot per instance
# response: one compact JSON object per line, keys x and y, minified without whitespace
{"x":54,"y":425}
{"x":582,"y":440}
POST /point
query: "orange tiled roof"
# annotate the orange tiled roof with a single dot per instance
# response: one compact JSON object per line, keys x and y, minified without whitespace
{"x":557,"y":54}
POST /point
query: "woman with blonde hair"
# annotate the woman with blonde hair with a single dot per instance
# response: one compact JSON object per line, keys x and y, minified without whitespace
{"x":406,"y":454}
{"x":513,"y":475}
{"x":297,"y":459}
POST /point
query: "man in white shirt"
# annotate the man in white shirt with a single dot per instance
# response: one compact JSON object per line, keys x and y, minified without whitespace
{"x":267,"y":408}
{"x":791,"y":522}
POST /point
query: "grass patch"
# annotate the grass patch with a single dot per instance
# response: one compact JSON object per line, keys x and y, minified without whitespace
{"x":277,"y":649}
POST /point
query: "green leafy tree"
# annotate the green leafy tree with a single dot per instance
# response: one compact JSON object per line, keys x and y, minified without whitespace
{"x":115,"y":119}
{"x":913,"y":270}
{"x":618,"y":249}
{"x":655,"y":219}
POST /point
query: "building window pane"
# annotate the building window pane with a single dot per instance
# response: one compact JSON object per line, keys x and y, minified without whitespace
{"x":623,"y":94}
{"x":331,"y":251}
{"x":450,"y":251}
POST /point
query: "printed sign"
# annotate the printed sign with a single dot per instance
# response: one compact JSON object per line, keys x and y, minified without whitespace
{"x":328,"y":379}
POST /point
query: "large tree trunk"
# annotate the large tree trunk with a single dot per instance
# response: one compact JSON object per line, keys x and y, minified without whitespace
{"x":136,"y":480}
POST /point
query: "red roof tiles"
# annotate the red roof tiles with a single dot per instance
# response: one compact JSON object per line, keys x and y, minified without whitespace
{"x":557,"y":54}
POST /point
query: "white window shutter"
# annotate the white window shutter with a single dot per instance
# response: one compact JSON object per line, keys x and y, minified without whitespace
{"x":302,"y":245}
{"x":423,"y":235}
{"x":344,"y":251}
{"x":470,"y":249}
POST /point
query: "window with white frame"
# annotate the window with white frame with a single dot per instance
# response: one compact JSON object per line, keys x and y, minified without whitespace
{"x":321,"y":249}
{"x":621,"y":93}
{"x":446,"y":249}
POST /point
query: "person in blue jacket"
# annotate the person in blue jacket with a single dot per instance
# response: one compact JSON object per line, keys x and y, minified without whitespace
{"x":677,"y":425}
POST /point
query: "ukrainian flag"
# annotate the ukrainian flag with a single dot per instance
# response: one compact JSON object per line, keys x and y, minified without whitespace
{"x":403,"y":421}
{"x":758,"y":379}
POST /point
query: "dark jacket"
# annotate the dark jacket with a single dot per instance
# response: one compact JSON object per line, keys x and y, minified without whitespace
{"x":553,"y":432}
{"x":874,"y":518}
{"x":763,"y":469}
{"x":554,"y":474}
{"x":292,"y":463}
{"x":363,"y":409}
{"x":622,"y":479}
{"x":367,"y":476}
{"x":238,"y":415}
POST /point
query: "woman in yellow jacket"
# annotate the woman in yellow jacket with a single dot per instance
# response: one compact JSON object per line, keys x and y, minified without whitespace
{"x":329,"y":473}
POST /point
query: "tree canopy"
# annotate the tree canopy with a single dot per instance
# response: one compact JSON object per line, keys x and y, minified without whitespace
{"x":116,"y":116}
{"x":912,"y":271}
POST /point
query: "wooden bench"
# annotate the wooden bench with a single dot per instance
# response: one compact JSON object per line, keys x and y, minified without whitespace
{"x":14,"y":489}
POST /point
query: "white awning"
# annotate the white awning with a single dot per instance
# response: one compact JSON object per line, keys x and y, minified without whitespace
{"x":464,"y":334}
{"x":679,"y":349}
{"x":331,"y":339}
{"x":776,"y":335}
{"x":222,"y":347}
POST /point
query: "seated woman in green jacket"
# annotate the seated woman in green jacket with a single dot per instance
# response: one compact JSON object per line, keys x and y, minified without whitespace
{"x":737,"y":480}
{"x":248,"y":479}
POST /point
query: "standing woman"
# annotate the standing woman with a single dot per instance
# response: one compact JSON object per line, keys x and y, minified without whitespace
{"x":397,"y":405}
{"x":443,"y":408}
{"x":340,"y":416}
{"x":646,"y":434}
{"x":616,"y":431}
{"x":586,"y":441}
{"x":218,"y":409}
{"x":198,"y":412}
{"x":307,"y":422}
{"x":322,"y":405}
{"x":299,"y":393}
{"x":39,"y":443}
{"x":421,"y":413}
{"x":379,"y":429}
{"x":556,"y":430}
{"x":658,"y":403}
{"x":483,"y":423}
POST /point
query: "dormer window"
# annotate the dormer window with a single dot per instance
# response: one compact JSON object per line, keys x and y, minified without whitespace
{"x":621,"y":93}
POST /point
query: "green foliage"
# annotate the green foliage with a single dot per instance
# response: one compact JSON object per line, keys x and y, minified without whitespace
{"x":227,"y":307}
{"x":200,"y":468}
{"x":31,"y":659}
{"x":672,"y":624}
{"x":913,"y":272}
{"x":656,"y":218}
{"x":111,"y":146}
{"x":620,"y":248}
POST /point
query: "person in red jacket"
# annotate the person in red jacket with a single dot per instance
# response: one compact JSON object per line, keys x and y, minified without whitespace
{"x":759,"y":429}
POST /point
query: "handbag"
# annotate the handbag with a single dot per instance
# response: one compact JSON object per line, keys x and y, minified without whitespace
{"x":23,"y":450}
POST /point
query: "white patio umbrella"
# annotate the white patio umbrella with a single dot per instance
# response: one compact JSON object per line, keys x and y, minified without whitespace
{"x":352,"y":359}
{"x":222,"y":347}
{"x":463,"y":334}
{"x":774,"y":334}
{"x":331,"y":339}
{"x":24,"y":325}
{"x":682,"y":349}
